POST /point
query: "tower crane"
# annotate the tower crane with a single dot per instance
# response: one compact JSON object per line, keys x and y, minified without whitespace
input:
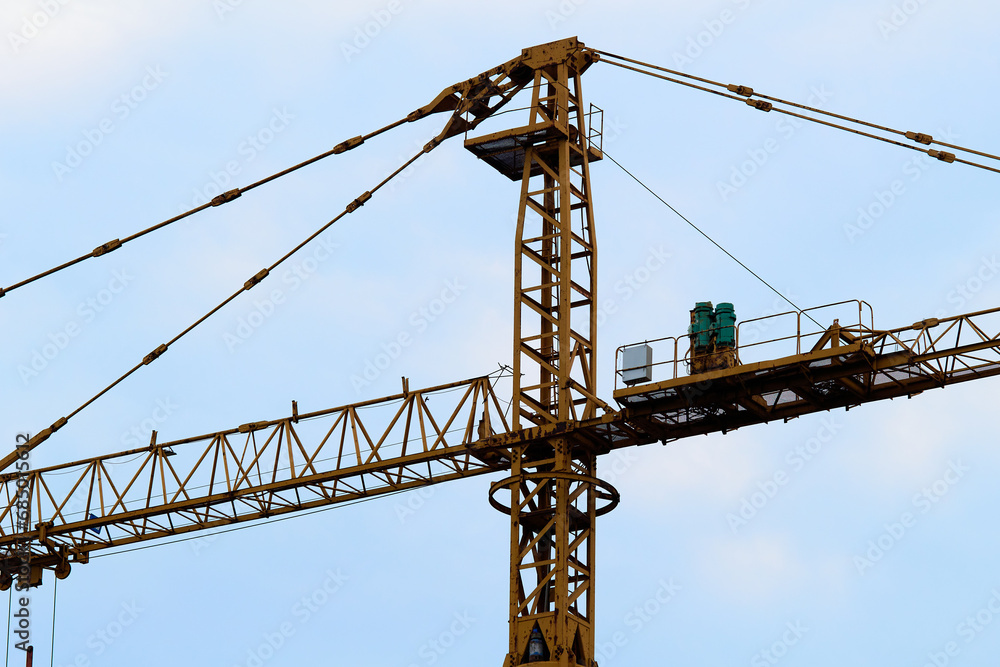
{"x":546,"y":449}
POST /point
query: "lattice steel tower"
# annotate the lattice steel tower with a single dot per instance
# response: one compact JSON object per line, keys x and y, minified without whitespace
{"x":554,"y":493}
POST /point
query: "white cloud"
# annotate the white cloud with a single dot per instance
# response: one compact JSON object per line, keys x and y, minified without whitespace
{"x":78,"y":46}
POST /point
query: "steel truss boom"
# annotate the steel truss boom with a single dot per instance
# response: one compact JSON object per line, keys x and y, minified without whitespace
{"x":844,"y":367}
{"x":255,"y":471}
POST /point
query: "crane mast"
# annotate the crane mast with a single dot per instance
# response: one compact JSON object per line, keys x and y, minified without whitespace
{"x":553,"y":489}
{"x":548,"y":448}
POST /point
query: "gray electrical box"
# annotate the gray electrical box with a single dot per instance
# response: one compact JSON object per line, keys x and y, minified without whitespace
{"x":637,"y":364}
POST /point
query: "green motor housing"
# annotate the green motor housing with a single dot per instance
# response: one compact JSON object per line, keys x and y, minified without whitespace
{"x":701,"y":325}
{"x":713,"y":337}
{"x":725,"y":325}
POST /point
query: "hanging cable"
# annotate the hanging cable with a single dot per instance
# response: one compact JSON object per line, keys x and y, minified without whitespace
{"x":10,"y":602}
{"x":256,"y":279}
{"x":447,"y":101}
{"x":223,"y":198}
{"x":52,"y":648}
{"x":764,"y":103}
{"x":711,"y":240}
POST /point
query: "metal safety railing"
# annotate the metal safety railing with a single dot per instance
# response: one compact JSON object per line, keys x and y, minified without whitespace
{"x":770,"y":336}
{"x":595,"y":127}
{"x":850,"y":315}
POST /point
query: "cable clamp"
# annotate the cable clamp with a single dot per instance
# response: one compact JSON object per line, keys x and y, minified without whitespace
{"x":227,"y":197}
{"x":154,"y":355}
{"x":920,"y":138}
{"x":745,"y":91}
{"x":944,"y":156}
{"x":431,"y":145}
{"x":106,"y":248}
{"x":252,"y":426}
{"x":359,"y":202}
{"x":763,"y":105}
{"x":248,"y":285}
{"x":345,"y":146}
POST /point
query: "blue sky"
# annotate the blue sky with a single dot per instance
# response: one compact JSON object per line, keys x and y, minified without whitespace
{"x":173,"y":101}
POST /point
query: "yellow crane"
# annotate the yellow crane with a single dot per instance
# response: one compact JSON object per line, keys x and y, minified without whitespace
{"x":548,"y":446}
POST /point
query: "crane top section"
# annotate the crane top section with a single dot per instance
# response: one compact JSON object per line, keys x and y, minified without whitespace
{"x":470,"y":100}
